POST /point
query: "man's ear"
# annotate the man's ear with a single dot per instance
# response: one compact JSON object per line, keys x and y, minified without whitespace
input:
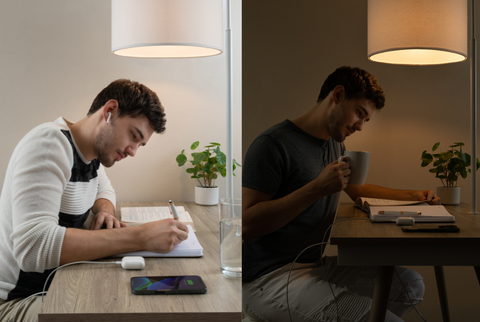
{"x":338,"y":94}
{"x":110,"y":109}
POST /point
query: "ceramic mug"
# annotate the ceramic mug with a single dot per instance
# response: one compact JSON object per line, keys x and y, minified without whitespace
{"x":358,"y":162}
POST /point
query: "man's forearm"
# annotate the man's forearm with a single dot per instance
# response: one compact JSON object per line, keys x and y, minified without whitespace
{"x":82,"y":245}
{"x":268,"y":216}
{"x":373,"y":191}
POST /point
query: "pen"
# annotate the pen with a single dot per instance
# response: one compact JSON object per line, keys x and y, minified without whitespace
{"x":396,"y":213}
{"x":173,"y":210}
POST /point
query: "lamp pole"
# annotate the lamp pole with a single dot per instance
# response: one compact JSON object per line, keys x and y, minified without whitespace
{"x":473,"y":106}
{"x":229,"y":144}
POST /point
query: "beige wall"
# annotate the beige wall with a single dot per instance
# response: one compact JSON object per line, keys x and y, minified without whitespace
{"x":55,"y":57}
{"x":290,"y":47}
{"x":288,"y":51}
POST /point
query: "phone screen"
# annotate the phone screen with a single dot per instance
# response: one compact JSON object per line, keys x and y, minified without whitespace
{"x":186,"y":284}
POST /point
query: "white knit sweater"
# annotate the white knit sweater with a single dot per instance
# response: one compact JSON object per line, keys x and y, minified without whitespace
{"x":47,"y":178}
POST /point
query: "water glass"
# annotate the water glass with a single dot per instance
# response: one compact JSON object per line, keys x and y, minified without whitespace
{"x":230,"y":210}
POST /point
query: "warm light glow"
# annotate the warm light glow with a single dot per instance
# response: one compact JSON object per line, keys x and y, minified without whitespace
{"x":167,"y":28}
{"x":164,"y":51}
{"x":417,"y":57}
{"x":417,"y":32}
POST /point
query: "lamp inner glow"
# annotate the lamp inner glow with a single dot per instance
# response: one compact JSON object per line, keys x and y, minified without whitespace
{"x":417,"y":57}
{"x":167,"y":51}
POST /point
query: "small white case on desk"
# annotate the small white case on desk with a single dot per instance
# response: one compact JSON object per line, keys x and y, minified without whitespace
{"x":133,"y":262}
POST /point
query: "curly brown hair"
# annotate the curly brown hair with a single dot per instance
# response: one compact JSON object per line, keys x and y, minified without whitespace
{"x":358,"y":83}
{"x":134,"y":100}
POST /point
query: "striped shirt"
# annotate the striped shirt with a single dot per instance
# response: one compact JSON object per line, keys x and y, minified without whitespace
{"x":48,"y":187}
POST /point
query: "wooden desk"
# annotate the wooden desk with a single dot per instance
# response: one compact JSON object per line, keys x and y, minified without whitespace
{"x":362,"y":243}
{"x":102,"y":292}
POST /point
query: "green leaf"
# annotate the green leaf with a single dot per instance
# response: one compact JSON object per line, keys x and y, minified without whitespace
{"x":467,"y":159}
{"x":445,"y":156}
{"x":194,"y":145}
{"x":181,"y":159}
{"x":463,"y":173}
{"x":235,"y":162}
{"x":435,"y":146}
{"x":223,"y":172}
{"x":221,"y":158}
{"x":208,"y":165}
{"x":458,"y":144}
{"x":190,"y":170}
{"x":198,"y":157}
{"x":435,"y":170}
{"x":426,"y":157}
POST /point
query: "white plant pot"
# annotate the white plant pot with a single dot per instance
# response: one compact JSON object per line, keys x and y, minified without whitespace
{"x":206,"y":196}
{"x":449,"y":195}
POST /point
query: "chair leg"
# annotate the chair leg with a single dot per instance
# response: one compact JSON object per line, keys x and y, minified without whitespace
{"x":442,"y":292}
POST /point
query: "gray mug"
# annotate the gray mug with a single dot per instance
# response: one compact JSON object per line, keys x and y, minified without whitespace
{"x":358,"y":162}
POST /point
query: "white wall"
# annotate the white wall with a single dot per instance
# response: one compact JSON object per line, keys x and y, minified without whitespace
{"x":55,"y":58}
{"x":289,"y":48}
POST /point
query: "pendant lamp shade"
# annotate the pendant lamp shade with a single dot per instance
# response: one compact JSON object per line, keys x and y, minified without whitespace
{"x":167,"y":28}
{"x":417,"y":32}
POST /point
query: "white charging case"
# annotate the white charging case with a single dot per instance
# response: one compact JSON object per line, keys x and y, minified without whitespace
{"x":405,"y":221}
{"x":133,"y":262}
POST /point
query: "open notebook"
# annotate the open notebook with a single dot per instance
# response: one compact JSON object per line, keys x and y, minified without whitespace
{"x":188,"y":248}
{"x":133,"y":216}
{"x":429,"y":213}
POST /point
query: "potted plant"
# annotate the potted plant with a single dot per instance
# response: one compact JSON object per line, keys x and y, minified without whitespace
{"x":448,"y":167}
{"x":206,"y":166}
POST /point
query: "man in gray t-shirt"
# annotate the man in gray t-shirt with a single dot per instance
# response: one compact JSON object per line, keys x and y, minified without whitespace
{"x":291,"y":185}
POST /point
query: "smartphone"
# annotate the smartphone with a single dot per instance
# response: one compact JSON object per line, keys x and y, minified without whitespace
{"x":185,"y":284}
{"x":432,"y":228}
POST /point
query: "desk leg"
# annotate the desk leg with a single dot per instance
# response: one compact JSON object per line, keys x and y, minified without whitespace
{"x":381,"y":293}
{"x":477,"y":271}
{"x":442,"y":292}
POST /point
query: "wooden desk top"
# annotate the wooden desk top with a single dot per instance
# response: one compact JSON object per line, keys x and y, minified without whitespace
{"x":102,"y":292}
{"x":361,"y":242}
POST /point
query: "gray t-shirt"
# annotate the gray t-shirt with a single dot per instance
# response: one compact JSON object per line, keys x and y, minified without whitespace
{"x":281,"y":160}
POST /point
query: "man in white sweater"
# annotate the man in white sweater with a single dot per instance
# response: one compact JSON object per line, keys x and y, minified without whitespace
{"x":55,"y":178}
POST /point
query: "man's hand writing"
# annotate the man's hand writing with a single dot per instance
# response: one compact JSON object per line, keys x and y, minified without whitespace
{"x":161,"y":236}
{"x":428,"y":196}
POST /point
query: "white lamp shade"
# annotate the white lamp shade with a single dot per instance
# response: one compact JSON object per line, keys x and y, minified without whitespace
{"x":417,"y":32}
{"x":167,"y":28}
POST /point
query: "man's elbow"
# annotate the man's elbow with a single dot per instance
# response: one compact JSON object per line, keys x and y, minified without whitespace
{"x":247,"y":232}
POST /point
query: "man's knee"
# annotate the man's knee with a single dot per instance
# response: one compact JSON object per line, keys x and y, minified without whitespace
{"x":410,"y":285}
{"x":26,"y":311}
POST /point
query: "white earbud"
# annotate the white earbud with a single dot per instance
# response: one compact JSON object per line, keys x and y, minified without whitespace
{"x":109,"y":116}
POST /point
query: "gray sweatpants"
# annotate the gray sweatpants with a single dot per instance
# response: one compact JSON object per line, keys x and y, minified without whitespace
{"x":310,"y":297}
{"x":28,"y":312}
